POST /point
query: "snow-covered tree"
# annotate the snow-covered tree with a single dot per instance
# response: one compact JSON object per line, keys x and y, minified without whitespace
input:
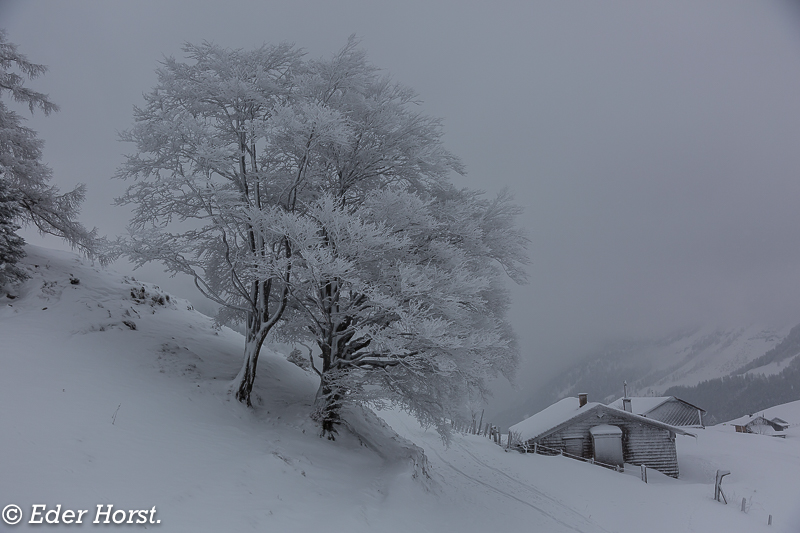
{"x":26,"y":177}
{"x":11,"y":244}
{"x":387,"y":140}
{"x":388,"y":146}
{"x":202,"y":165}
{"x":404,"y":298}
{"x":312,"y":198}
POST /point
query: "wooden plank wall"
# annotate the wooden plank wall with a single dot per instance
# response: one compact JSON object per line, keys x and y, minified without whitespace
{"x":651,"y":446}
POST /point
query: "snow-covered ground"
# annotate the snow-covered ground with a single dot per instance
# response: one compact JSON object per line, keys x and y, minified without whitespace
{"x":110,"y":393}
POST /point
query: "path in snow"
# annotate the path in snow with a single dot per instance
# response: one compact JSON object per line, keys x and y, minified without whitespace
{"x":458,"y":459}
{"x":581,"y":524}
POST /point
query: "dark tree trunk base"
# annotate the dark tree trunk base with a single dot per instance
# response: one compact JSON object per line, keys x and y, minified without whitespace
{"x":243,"y":393}
{"x":326,"y":412}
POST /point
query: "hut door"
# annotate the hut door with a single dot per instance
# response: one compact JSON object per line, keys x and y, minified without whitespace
{"x":607,"y":444}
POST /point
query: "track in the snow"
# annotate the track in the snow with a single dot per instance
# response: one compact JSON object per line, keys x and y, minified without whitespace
{"x":539,"y":502}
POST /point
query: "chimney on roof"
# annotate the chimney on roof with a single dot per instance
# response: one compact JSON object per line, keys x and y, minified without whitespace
{"x":582,"y":399}
{"x":626,"y":405}
{"x":625,"y":389}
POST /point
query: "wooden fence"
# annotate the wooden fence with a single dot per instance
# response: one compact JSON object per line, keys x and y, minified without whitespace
{"x":473,"y":427}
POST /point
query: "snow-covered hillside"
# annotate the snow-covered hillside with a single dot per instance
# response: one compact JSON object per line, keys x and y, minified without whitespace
{"x":787,"y":411}
{"x":693,"y":356}
{"x":651,"y":367}
{"x":709,"y":353}
{"x":111,"y":392}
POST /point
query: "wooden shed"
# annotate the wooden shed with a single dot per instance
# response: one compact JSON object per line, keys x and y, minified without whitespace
{"x":762,"y":425}
{"x":667,"y":409}
{"x":572,"y":429}
{"x":779,"y":424}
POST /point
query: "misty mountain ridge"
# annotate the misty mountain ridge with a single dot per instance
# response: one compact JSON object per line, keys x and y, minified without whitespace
{"x":682,"y":361}
{"x":760,"y":384}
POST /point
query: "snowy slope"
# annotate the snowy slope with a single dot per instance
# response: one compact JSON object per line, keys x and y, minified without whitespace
{"x":772,"y":369}
{"x":694,"y":356}
{"x":650,"y":367}
{"x":100,"y":413}
{"x":95,"y":412}
{"x":790,"y":412}
{"x":710,"y":353}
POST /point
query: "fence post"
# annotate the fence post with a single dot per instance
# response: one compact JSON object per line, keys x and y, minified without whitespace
{"x":644,"y":473}
{"x":718,"y":485}
{"x":743,"y":502}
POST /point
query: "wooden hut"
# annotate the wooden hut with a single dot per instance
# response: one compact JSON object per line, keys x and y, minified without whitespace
{"x":667,"y":409}
{"x":599,"y":433}
{"x":779,"y":424}
{"x":762,"y":425}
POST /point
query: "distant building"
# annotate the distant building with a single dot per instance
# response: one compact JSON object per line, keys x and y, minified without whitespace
{"x":667,"y":409}
{"x":762,"y":425}
{"x":780,"y":424}
{"x":599,"y":433}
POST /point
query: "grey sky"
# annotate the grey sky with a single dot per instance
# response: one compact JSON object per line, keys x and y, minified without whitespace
{"x":654,"y":145}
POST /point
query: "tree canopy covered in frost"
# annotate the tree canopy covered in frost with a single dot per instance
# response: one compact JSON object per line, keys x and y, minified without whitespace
{"x":311,"y":199}
{"x":11,"y":244}
{"x":404,"y":298}
{"x":25,"y":177}
{"x":205,"y":162}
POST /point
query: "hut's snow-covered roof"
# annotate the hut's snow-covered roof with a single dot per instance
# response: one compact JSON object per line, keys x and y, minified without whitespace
{"x":556,"y":414}
{"x":744,"y":420}
{"x":641,"y":405}
{"x":565,"y":410}
{"x":644,"y":404}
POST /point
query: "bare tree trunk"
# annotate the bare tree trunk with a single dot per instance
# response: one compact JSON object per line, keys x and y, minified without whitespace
{"x":327,"y":405}
{"x":259,"y":324}
{"x":256,"y":334}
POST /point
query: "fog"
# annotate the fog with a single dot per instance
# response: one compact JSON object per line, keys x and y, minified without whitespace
{"x":653,"y":145}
